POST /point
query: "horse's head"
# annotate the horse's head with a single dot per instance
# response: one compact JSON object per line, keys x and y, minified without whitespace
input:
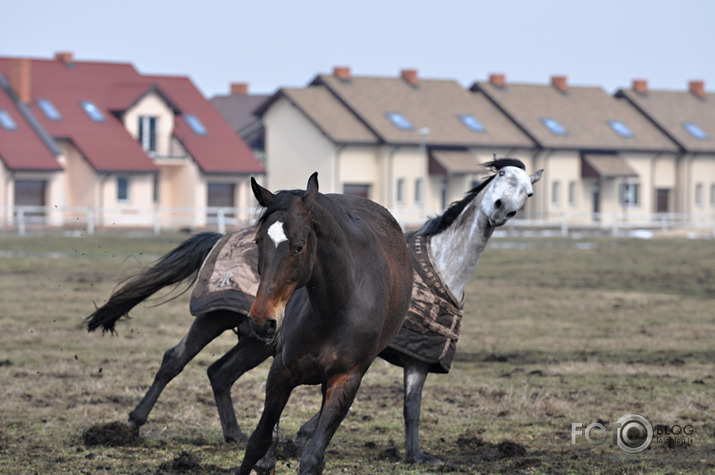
{"x":507,"y":193}
{"x":286,"y":252}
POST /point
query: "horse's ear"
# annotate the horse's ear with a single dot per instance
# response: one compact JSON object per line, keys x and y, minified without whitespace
{"x":263,"y":195}
{"x":536,"y":176}
{"x":311,"y":191}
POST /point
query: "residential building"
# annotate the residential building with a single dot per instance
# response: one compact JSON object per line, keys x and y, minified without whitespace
{"x":237,"y":108}
{"x":688,"y":119}
{"x":411,"y":144}
{"x":602,"y":159}
{"x":136,"y":149}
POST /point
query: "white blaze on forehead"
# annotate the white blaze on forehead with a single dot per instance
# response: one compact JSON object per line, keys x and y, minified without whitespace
{"x":277,"y":233}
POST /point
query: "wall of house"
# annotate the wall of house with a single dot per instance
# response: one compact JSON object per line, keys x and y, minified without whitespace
{"x":702,"y":174}
{"x":295,"y":149}
{"x":152,"y":105}
{"x":136,"y":210}
{"x":360,"y":165}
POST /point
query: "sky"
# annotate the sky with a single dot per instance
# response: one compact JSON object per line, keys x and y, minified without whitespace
{"x":271,"y":44}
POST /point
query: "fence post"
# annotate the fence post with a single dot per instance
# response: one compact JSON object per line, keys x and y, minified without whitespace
{"x":221,"y":217}
{"x":90,"y":221}
{"x":157,"y":222}
{"x":21,"y":221}
{"x":564,"y":224}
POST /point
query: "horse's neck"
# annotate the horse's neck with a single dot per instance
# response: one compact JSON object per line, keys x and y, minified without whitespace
{"x":456,"y":251}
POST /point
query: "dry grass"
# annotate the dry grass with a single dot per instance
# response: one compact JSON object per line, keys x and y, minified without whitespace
{"x":555,"y":332}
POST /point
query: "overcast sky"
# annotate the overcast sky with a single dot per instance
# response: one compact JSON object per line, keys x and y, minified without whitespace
{"x":275,"y":43}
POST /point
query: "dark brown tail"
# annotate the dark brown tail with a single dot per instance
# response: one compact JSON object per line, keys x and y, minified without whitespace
{"x":180,"y":264}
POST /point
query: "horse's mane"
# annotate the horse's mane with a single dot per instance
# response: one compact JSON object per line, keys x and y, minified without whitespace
{"x":439,"y":223}
{"x":281,"y":202}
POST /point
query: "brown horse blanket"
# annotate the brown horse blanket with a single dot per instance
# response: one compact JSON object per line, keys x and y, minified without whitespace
{"x":228,"y":280}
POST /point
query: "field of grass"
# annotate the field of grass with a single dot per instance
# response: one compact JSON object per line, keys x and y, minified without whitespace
{"x":556,"y":331}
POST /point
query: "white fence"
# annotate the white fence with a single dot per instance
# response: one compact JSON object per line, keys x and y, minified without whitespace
{"x":26,"y":219}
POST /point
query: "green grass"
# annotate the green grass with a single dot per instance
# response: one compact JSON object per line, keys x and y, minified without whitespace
{"x":555,"y":331}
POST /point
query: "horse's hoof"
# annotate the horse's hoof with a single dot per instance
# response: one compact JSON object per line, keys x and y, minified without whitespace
{"x":425,"y":459}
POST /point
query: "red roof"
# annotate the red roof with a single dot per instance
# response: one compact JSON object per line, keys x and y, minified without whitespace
{"x":115,"y":87}
{"x":22,"y":148}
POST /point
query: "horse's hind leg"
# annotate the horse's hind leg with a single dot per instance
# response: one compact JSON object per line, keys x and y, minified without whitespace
{"x":414,"y":377}
{"x":246,"y":355}
{"x":204,"y":329}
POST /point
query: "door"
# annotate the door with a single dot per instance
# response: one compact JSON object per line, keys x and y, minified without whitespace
{"x":31,"y":193}
{"x":221,"y":195}
{"x":662,"y":200}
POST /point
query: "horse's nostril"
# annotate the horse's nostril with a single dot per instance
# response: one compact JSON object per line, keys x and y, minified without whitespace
{"x":511,"y":214}
{"x":497,"y":204}
{"x":270,"y":327}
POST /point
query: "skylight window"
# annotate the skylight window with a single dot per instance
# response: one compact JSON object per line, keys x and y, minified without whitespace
{"x":472,"y":124}
{"x":6,"y":121}
{"x":91,"y":109}
{"x":554,"y":126}
{"x":695,"y":131}
{"x":620,"y":128}
{"x":399,"y":121}
{"x":49,"y":109}
{"x":195,"y":124}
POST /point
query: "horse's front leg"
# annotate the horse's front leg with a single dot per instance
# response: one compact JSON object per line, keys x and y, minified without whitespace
{"x":306,"y":431}
{"x":204,"y":330}
{"x":340,"y":393}
{"x":278,"y":388}
{"x":246,"y":355}
{"x":415,"y":376}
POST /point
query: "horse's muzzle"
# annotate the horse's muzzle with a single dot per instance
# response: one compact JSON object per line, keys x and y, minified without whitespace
{"x":267,"y":330}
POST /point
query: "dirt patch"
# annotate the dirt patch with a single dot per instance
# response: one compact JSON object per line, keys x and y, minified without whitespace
{"x":185,"y":462}
{"x":112,"y":434}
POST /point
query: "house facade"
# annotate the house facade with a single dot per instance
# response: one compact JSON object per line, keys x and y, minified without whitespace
{"x":135,"y":150}
{"x":413,"y":145}
{"x":688,"y":118}
{"x":602,"y":159}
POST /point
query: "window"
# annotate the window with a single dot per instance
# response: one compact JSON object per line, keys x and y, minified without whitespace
{"x":555,"y":189}
{"x":91,"y":109}
{"x":6,"y":121}
{"x":355,"y":189}
{"x":695,"y":131}
{"x":620,"y":128}
{"x":629,"y":194}
{"x":399,"y":120}
{"x":699,"y":195}
{"x":195,"y":124}
{"x":400,"y":190}
{"x":49,"y":109}
{"x":418,"y":191}
{"x":472,"y":124}
{"x":572,"y":193}
{"x":712,"y":196}
{"x":122,"y":188}
{"x":554,"y":126}
{"x":155,"y":188}
{"x":147,"y":133}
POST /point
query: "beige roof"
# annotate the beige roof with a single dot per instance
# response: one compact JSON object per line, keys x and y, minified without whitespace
{"x":672,"y":109}
{"x":434,"y":104}
{"x":456,"y":162}
{"x":331,"y":117}
{"x":606,"y":166}
{"x":584,"y":112}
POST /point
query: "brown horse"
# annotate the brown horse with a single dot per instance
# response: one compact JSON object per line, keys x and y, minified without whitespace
{"x":336,"y":279}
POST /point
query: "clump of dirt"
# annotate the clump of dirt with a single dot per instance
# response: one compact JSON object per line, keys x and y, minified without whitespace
{"x":185,"y":462}
{"x":112,"y":434}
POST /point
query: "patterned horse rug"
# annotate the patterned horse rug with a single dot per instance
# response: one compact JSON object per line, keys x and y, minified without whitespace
{"x":228,"y":280}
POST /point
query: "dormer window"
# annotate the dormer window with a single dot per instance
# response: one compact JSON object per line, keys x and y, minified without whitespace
{"x":695,"y":131}
{"x":195,"y":124}
{"x":399,"y":121}
{"x":6,"y":121}
{"x":554,"y":126}
{"x":147,"y":133}
{"x":620,"y":128}
{"x":49,"y":109}
{"x":471,"y":123}
{"x":92,"y":111}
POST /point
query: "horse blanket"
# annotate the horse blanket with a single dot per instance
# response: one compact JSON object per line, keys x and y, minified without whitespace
{"x":228,"y":280}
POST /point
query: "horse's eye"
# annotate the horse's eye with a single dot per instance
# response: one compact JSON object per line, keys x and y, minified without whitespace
{"x":501,"y":172}
{"x":298,"y":249}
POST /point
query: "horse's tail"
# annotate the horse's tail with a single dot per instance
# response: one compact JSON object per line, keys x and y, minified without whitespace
{"x":180,"y":264}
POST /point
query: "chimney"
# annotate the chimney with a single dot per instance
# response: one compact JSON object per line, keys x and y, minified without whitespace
{"x":65,"y":57}
{"x":342,"y":72}
{"x":20,"y":80}
{"x":409,"y":75}
{"x":498,"y":80}
{"x":640,"y":86}
{"x":239,"y":89}
{"x":559,"y":82}
{"x":697,"y":88}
